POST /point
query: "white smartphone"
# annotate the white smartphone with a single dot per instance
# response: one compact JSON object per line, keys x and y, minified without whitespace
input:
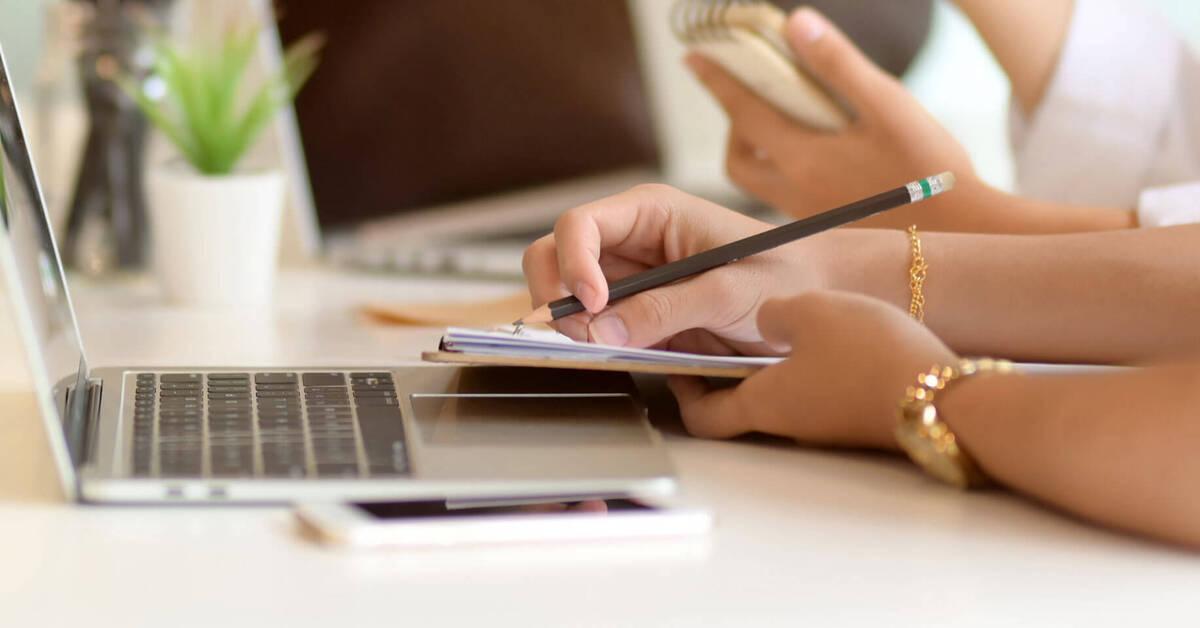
{"x":442,"y":523}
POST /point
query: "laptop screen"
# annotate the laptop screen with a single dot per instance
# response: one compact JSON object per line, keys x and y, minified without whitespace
{"x":39,"y":289}
{"x":431,"y":103}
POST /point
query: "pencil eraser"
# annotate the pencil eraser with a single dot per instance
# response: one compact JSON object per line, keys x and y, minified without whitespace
{"x":947,"y":179}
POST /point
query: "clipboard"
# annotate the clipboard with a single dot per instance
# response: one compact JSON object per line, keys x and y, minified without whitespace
{"x":627,"y":366}
{"x":545,"y":348}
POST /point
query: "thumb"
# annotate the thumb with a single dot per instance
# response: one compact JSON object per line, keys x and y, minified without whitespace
{"x":832,"y":58}
{"x":647,"y":318}
{"x":777,"y":322}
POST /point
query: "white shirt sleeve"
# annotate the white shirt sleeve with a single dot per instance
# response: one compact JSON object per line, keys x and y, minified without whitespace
{"x":1119,"y":125}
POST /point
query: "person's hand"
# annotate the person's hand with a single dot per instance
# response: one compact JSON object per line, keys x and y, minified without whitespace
{"x":802,"y":171}
{"x":851,"y":358}
{"x":648,"y":226}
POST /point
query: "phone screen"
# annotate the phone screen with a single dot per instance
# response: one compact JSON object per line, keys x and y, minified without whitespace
{"x":442,"y":509}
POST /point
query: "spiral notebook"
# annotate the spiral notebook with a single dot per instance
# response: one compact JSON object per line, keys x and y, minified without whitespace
{"x":747,"y":39}
{"x":548,"y":349}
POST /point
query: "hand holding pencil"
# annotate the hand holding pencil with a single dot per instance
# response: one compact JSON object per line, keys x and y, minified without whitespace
{"x":707,"y":307}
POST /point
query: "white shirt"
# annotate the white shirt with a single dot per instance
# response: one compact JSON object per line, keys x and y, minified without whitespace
{"x":1119,"y":125}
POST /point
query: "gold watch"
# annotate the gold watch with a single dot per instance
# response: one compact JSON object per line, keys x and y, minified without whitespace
{"x":926,"y":438}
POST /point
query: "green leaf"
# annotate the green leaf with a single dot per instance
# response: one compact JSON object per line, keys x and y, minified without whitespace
{"x":161,"y":120}
{"x":200,"y":113}
{"x":301,"y":60}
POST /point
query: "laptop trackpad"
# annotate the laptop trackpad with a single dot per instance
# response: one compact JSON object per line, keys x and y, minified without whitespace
{"x":530,"y":436}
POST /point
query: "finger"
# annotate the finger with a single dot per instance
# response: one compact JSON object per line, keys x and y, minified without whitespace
{"x":748,"y":169}
{"x":780,"y":320}
{"x":784,"y":323}
{"x":636,"y":219}
{"x":706,"y":412}
{"x":756,"y":119}
{"x":591,"y":505}
{"x":699,"y":341}
{"x":540,"y":264}
{"x":647,"y":318}
{"x":833,"y":59}
{"x":616,"y":267}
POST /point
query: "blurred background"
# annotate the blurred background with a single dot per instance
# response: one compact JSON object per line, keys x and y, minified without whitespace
{"x":475,"y":123}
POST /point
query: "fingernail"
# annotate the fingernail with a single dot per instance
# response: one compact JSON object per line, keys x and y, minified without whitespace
{"x":810,"y":24}
{"x":609,"y":330}
{"x":585,"y":294}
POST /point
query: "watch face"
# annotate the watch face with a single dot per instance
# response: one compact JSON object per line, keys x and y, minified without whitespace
{"x":924,"y":452}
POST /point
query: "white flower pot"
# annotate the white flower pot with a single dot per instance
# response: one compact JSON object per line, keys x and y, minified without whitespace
{"x":215,"y":240}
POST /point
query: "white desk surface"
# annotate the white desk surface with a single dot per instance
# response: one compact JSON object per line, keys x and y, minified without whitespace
{"x":803,"y":537}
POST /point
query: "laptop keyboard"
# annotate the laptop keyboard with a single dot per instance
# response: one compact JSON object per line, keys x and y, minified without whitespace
{"x":268,"y":425}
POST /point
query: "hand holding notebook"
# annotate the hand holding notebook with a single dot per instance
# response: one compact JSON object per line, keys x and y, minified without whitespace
{"x":747,"y":40}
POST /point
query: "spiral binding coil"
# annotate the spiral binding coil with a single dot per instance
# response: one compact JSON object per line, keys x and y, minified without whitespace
{"x":694,"y":21}
{"x":731,"y":32}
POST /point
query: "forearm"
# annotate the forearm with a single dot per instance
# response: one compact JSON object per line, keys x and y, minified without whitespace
{"x":1113,"y":297}
{"x":1026,"y":36}
{"x":1117,"y":448}
{"x":974,"y":207}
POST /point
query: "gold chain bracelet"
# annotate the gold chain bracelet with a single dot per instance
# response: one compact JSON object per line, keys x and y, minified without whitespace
{"x":916,"y":277}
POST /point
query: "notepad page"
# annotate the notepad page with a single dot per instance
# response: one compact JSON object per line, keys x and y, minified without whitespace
{"x":540,"y":343}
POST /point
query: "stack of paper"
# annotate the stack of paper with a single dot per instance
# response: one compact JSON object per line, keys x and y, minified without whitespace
{"x":537,"y":347}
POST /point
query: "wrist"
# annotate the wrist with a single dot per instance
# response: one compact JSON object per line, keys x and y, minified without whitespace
{"x":926,"y":433}
{"x":871,"y":262}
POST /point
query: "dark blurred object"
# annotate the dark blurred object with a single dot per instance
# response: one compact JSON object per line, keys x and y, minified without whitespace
{"x":106,"y":223}
{"x":890,"y":32}
{"x":426,"y":102}
{"x":423,"y":102}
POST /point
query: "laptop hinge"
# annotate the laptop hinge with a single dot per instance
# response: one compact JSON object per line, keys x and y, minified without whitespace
{"x":81,"y":432}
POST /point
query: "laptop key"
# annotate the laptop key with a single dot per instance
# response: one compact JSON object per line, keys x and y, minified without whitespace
{"x":337,"y":470}
{"x":284,"y":470}
{"x":383,"y":437}
{"x":179,"y":395}
{"x":370,"y":402}
{"x":185,"y":386}
{"x":275,"y":378}
{"x":324,"y":379}
{"x":366,"y":387}
{"x":229,"y":376}
{"x":277,"y":394}
{"x":222,"y":388}
{"x":215,"y":396}
{"x":179,"y":378}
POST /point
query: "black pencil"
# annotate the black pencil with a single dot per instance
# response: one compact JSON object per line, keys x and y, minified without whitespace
{"x":726,"y":254}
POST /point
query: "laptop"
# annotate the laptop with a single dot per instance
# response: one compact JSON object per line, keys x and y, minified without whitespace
{"x":462,"y":127}
{"x":241,"y":434}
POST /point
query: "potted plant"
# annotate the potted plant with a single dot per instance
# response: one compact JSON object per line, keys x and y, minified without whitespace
{"x":214,"y":221}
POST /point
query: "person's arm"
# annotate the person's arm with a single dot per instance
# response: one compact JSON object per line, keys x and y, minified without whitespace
{"x":1116,"y":448}
{"x":1026,"y":36}
{"x":1102,"y":112}
{"x":891,"y":141}
{"x":1110,"y":297}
